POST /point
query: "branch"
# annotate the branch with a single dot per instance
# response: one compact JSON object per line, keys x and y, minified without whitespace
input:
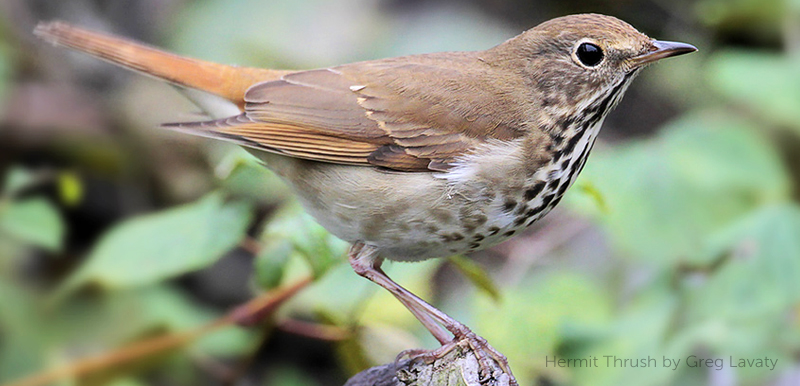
{"x":259,"y":307}
{"x":459,"y":367}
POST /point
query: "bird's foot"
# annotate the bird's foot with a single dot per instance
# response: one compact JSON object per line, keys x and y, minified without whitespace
{"x":494,"y":368}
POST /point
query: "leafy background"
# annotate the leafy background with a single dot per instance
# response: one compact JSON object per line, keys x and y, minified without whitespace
{"x":682,"y":236}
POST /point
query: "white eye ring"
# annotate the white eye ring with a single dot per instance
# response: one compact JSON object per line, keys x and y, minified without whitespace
{"x":588,"y":54}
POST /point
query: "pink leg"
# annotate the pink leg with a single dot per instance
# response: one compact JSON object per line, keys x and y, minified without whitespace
{"x":365,"y":261}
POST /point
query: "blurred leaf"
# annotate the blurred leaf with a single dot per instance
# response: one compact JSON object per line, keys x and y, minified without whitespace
{"x":276,"y":33}
{"x":25,"y":336}
{"x":767,"y":83}
{"x":380,"y":343}
{"x":309,"y":239}
{"x":126,"y":381}
{"x":154,"y":247}
{"x":337,"y":294}
{"x":271,"y":262}
{"x":346,"y":298}
{"x":70,"y":189}
{"x":37,"y":335}
{"x":178,"y":312}
{"x":443,"y":27}
{"x":289,"y":376}
{"x":667,"y":195}
{"x":759,"y":17}
{"x":591,"y":191}
{"x":383,"y":308}
{"x":244,"y":176}
{"x":476,"y":275}
{"x":760,"y":279}
{"x":527,"y":325}
{"x":33,"y":220}
{"x":351,"y":354}
{"x":17,"y":179}
{"x":640,"y":330}
{"x":6,"y":69}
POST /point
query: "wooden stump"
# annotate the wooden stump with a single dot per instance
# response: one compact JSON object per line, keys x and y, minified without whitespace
{"x":459,"y":367}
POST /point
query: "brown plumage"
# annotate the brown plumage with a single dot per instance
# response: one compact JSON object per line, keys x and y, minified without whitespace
{"x":419,"y":156}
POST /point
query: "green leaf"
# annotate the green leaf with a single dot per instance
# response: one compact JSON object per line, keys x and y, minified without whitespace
{"x":33,"y":220}
{"x":757,"y":17}
{"x":528,"y":324}
{"x":591,"y":191}
{"x":289,"y":375}
{"x":271,"y":262}
{"x":476,"y":275}
{"x":7,"y":62}
{"x":17,"y":179}
{"x":768,"y":83}
{"x":37,"y":335}
{"x":759,"y":278}
{"x":158,"y":246}
{"x":70,"y":189}
{"x":243,"y":175}
{"x":667,"y":195}
{"x":309,"y":239}
{"x":25,"y":336}
{"x":641,"y":330}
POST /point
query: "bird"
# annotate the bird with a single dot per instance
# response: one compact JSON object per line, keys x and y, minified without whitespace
{"x":418,"y":156}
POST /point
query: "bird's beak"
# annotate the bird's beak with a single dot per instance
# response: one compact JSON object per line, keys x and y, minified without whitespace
{"x":660,"y":50}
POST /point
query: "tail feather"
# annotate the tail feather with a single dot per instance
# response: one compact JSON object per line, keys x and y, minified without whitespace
{"x":280,"y":138}
{"x":229,"y":82}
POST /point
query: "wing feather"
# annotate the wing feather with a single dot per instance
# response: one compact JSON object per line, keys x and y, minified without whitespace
{"x":417,"y":113}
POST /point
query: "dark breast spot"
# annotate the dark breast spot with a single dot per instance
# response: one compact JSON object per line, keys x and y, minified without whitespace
{"x":493,"y":230}
{"x":537,"y":209}
{"x":555,"y":202}
{"x":565,"y":122}
{"x":563,"y":188}
{"x":580,"y":162}
{"x":552,"y":184}
{"x":547,"y":199}
{"x":534,"y":191}
{"x":509,"y":205}
{"x":571,"y":143}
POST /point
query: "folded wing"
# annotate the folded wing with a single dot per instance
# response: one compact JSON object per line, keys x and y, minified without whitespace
{"x":411,"y":114}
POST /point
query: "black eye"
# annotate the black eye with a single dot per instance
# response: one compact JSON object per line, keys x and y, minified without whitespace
{"x":589,"y":54}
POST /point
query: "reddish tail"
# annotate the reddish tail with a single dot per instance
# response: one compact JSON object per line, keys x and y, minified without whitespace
{"x":229,"y":82}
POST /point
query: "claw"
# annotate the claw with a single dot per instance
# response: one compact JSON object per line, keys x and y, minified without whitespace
{"x":484,"y":353}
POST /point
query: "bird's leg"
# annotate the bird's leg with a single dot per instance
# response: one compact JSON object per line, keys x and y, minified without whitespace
{"x":365,"y":261}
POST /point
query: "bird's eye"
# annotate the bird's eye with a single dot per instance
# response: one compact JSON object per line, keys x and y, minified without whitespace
{"x":589,"y":54}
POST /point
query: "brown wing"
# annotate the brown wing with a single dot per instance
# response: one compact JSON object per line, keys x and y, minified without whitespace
{"x":414,"y":113}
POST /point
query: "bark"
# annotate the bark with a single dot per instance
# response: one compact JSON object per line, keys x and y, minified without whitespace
{"x":459,"y":367}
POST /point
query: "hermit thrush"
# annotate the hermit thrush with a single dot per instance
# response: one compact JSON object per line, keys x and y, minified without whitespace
{"x":419,"y":156}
